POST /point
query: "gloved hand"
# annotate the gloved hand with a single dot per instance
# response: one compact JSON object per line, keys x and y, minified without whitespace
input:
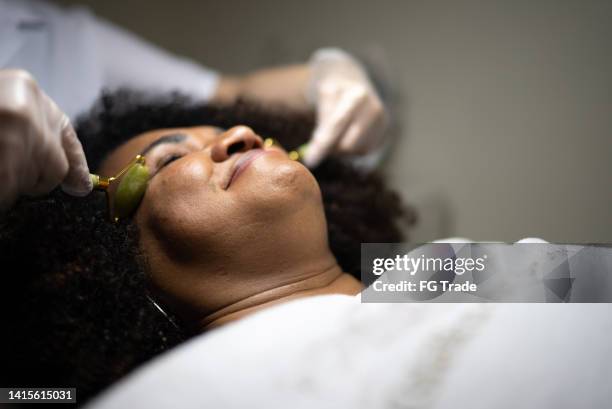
{"x":351,"y":118}
{"x":38,"y":146}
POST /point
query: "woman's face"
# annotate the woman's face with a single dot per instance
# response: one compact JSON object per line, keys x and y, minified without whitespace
{"x":222,"y":217}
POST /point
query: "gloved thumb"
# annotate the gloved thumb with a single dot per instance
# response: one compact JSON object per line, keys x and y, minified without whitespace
{"x":77,"y":181}
{"x":333,"y":116}
{"x":316,"y":151}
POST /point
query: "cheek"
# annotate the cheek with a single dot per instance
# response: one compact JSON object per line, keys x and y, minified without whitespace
{"x":186,"y":213}
{"x":181,"y":203}
{"x":278,"y":185}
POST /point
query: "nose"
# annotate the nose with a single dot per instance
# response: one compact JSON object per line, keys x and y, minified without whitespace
{"x":234,"y":140}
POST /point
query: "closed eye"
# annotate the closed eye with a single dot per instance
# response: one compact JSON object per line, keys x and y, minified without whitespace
{"x":168,"y":160}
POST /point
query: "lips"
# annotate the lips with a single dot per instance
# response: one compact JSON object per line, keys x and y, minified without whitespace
{"x":243,"y":162}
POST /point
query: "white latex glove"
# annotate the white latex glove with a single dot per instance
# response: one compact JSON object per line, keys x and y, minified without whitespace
{"x":38,"y":146}
{"x":351,"y":118}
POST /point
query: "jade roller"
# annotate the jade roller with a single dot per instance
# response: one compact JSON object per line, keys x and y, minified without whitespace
{"x":130,"y":190}
{"x":297,"y":154}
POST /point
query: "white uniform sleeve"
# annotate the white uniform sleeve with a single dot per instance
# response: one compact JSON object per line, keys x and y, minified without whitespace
{"x":128,"y":61}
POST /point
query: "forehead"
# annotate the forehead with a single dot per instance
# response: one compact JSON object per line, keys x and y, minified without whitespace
{"x":125,"y":152}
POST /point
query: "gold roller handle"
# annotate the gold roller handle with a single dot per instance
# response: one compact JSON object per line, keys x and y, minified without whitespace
{"x":99,"y":182}
{"x":102,"y":183}
{"x":297,"y":154}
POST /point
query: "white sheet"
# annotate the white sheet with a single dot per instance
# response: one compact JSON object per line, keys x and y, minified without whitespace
{"x":334,"y":352}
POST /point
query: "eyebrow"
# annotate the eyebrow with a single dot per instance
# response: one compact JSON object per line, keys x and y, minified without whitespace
{"x":172,"y":138}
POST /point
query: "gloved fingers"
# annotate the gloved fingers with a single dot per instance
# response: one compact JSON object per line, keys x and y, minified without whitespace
{"x":329,"y":95}
{"x":47,"y":165}
{"x":60,"y":133}
{"x":77,"y":182}
{"x":51,"y":169}
{"x":367,"y":131}
{"x":32,"y":142}
{"x":332,"y":124}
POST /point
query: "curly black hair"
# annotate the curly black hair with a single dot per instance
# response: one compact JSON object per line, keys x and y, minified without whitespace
{"x":74,"y":304}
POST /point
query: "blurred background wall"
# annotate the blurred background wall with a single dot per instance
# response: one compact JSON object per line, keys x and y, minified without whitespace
{"x":505,"y":107}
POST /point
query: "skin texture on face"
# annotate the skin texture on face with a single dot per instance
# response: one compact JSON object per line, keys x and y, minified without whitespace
{"x":227,"y":226}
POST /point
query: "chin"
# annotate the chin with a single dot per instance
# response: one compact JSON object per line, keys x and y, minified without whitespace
{"x":286,"y":183}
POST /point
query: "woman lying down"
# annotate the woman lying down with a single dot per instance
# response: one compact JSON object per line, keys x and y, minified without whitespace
{"x":244,"y":252}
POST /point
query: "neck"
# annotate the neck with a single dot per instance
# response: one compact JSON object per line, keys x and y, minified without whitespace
{"x":329,"y":281}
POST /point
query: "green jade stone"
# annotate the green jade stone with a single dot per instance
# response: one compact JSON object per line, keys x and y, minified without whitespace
{"x":130,"y":191}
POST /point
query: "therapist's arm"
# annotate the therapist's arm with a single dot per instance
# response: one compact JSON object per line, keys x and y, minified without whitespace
{"x":130,"y":62}
{"x":350,"y":116}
